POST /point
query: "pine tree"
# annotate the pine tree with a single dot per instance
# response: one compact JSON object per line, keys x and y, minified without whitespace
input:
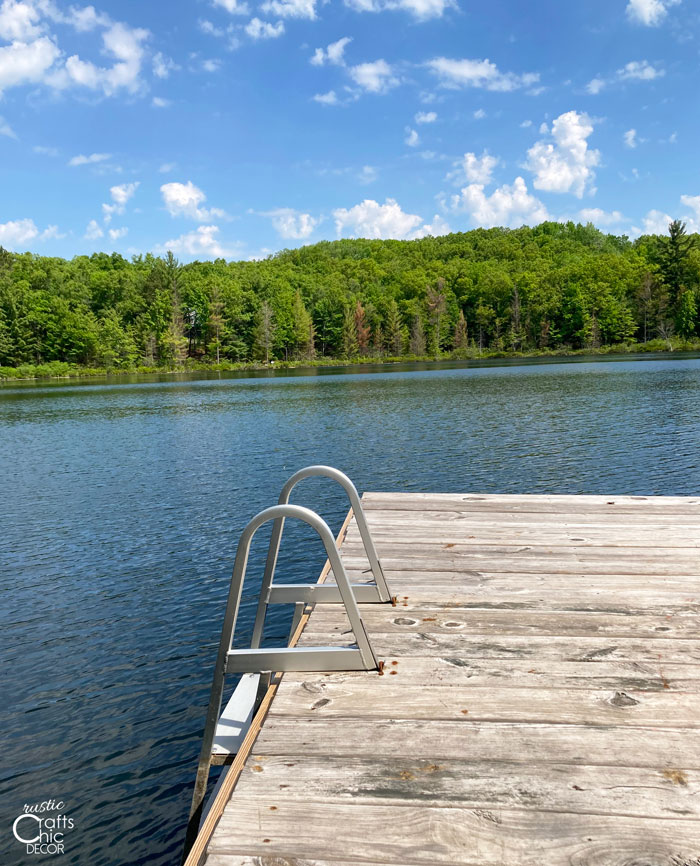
{"x":349,"y":334}
{"x":362,"y":329}
{"x":674,"y":259}
{"x":460,"y":338}
{"x":393,"y":329}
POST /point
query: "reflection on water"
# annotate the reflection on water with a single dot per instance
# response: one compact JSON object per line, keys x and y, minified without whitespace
{"x":123,"y":507}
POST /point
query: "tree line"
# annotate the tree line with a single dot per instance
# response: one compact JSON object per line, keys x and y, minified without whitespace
{"x":553,"y":286}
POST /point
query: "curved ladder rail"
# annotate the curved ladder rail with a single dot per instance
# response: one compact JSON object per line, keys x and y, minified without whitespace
{"x":301,"y":593}
{"x":263,"y":660}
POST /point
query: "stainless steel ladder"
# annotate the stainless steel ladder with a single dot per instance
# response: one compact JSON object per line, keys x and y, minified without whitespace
{"x":261,"y":662}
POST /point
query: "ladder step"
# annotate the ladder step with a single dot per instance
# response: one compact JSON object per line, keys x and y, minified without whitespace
{"x":235,"y":719}
{"x":365,"y":593}
{"x":317,"y":659}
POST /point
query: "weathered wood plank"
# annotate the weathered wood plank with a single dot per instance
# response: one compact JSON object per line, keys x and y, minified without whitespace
{"x":384,"y":697}
{"x":329,"y":620}
{"x":377,"y":517}
{"x":455,"y":836}
{"x":418,"y":672}
{"x":636,"y":502}
{"x":630,"y":791}
{"x":537,"y":648}
{"x":441,"y":740}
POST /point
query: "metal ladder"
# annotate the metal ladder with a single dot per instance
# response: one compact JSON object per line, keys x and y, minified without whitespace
{"x":256,"y":663}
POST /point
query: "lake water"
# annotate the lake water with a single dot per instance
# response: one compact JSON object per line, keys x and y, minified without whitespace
{"x":123,"y":506}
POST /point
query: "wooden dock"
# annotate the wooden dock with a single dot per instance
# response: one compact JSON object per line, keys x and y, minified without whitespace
{"x":539,"y":705}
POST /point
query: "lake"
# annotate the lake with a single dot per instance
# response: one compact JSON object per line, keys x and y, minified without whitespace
{"x":123,"y":506}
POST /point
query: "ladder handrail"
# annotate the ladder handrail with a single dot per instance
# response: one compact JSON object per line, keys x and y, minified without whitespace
{"x":368,"y":658}
{"x":276,"y":538}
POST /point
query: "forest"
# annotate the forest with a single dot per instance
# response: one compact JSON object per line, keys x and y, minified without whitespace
{"x":551,"y":288}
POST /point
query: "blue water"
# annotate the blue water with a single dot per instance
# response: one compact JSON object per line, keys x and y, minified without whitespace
{"x":123,"y":504}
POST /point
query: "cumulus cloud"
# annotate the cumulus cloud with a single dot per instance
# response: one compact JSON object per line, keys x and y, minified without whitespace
{"x":115,"y":234}
{"x":163,"y":66}
{"x":330,"y":98}
{"x":630,"y":138}
{"x":185,"y":199}
{"x":511,"y":206}
{"x":474,"y":169}
{"x":422,"y":10}
{"x":26,"y":63}
{"x":600,"y":217}
{"x":333,"y":54}
{"x":375,"y":77}
{"x":478,"y":73}
{"x":120,"y":196}
{"x":367,"y":174}
{"x":292,"y":224}
{"x":425,"y":117}
{"x":412,"y":139}
{"x":159,"y":102}
{"x":656,"y":222}
{"x":258,"y":29}
{"x":232,"y":6}
{"x":635,"y":70}
{"x":369,"y":219}
{"x":17,"y":233}
{"x":81,"y":159}
{"x":649,"y":12}
{"x":203,"y":241}
{"x":291,"y":8}
{"x":565,"y":164}
{"x":93,"y":231}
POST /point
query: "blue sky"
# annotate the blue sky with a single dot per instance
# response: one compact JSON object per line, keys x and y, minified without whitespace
{"x":236,"y":128}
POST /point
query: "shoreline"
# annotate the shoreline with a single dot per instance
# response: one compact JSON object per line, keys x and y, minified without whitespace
{"x":59,"y":370}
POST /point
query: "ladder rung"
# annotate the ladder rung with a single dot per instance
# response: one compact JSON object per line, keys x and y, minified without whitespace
{"x":324,"y":593}
{"x":331,"y":658}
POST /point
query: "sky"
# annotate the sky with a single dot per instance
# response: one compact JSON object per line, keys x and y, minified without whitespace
{"x":236,"y":128}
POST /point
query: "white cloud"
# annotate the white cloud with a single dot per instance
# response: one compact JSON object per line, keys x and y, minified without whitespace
{"x":436,"y":228}
{"x":201,"y":241}
{"x":630,"y":138}
{"x":166,"y":167}
{"x":635,"y":70}
{"x":329,"y":98}
{"x":123,"y":192}
{"x":595,"y":85}
{"x":369,"y":219}
{"x":412,"y":139}
{"x":333,"y":54}
{"x":233,"y":6}
{"x":258,"y":29}
{"x":367,"y":174}
{"x":17,"y":232}
{"x":422,"y":10}
{"x":479,"y":114}
{"x":45,"y":151}
{"x":214,"y":64}
{"x":599,"y":217}
{"x":51,"y":233}
{"x":19,"y":21}
{"x":159,"y":102}
{"x":649,"y":12}
{"x":93,"y":231}
{"x":656,"y":222}
{"x":526,"y":124}
{"x":639,"y":70}
{"x":507,"y":206}
{"x":291,"y":8}
{"x":425,"y":117}
{"x":478,"y":73}
{"x":81,"y":159}
{"x":115,"y":234}
{"x":375,"y":77}
{"x":566,"y":164}
{"x":292,"y":224}
{"x":26,"y":63}
{"x":474,"y":169}
{"x":184,"y":199}
{"x":6,"y":129}
{"x":163,"y":66}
